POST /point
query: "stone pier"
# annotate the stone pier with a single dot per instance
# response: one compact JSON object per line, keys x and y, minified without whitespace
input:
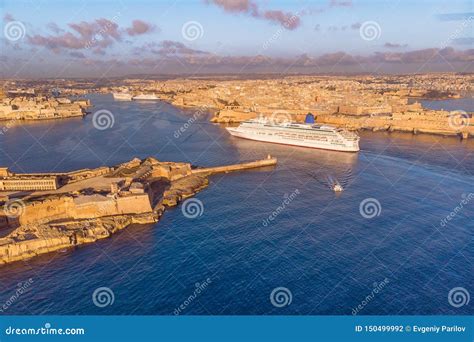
{"x":269,"y":161}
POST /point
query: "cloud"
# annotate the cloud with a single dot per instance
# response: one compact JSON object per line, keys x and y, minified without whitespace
{"x":55,"y":43}
{"x":139,"y":27}
{"x":288,"y":20}
{"x":340,"y":59}
{"x":455,"y":16}
{"x":171,"y":48}
{"x":237,"y":6}
{"x":398,"y":62}
{"x":98,"y":35}
{"x":104,"y":27}
{"x":394,"y":45}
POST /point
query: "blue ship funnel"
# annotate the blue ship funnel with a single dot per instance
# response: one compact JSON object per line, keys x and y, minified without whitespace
{"x":309,"y":118}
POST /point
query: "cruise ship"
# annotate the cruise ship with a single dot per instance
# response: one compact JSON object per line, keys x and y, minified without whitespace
{"x":122,"y":96}
{"x":308,"y":134}
{"x":146,"y":97}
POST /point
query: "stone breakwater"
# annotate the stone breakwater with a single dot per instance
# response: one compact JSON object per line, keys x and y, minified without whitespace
{"x":139,"y":193}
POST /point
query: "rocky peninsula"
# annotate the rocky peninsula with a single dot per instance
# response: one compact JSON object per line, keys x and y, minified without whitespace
{"x":92,"y":204}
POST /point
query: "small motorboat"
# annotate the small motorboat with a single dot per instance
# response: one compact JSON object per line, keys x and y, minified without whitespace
{"x":337,"y":187}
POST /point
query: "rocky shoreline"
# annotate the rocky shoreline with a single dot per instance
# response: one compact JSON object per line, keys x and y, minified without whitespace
{"x":52,"y":222}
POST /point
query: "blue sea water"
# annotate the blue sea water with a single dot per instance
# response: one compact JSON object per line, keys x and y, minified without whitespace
{"x":317,"y":244}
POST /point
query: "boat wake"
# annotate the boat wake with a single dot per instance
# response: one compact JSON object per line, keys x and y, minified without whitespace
{"x":340,"y":181}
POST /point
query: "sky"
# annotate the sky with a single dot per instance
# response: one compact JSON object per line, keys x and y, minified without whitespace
{"x":62,"y":39}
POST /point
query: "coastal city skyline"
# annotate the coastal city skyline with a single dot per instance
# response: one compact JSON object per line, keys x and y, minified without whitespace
{"x":87,"y":39}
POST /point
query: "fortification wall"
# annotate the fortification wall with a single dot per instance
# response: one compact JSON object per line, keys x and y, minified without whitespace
{"x":87,"y":208}
{"x":47,"y":210}
{"x":136,"y":204}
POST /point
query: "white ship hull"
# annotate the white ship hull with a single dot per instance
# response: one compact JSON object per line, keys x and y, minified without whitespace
{"x":326,"y":141}
{"x":122,"y":96}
